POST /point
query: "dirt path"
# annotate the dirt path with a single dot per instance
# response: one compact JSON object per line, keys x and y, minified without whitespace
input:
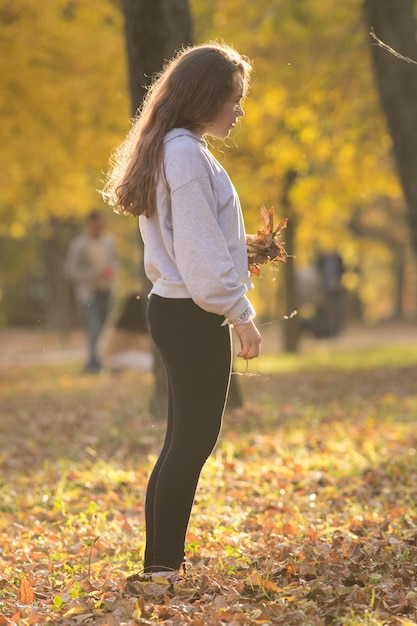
{"x":28,"y":347}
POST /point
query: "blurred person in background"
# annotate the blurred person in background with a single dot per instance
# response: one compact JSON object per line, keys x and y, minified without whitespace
{"x":330,"y":315}
{"x":91,"y":265}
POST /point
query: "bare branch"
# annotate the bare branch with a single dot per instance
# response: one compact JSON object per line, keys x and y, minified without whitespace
{"x":388,"y":48}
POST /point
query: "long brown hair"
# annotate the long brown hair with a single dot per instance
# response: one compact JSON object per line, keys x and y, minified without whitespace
{"x":189,"y":93}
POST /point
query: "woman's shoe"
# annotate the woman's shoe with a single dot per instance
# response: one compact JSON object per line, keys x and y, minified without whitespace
{"x":137,"y":584}
{"x":170,"y":576}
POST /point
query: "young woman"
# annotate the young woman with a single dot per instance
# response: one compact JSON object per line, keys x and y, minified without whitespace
{"x":196,"y":259}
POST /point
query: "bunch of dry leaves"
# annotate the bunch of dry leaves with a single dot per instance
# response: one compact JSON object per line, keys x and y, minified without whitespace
{"x":264,"y":246}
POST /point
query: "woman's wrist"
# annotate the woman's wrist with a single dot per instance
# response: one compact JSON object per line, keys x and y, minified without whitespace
{"x":241,"y":329}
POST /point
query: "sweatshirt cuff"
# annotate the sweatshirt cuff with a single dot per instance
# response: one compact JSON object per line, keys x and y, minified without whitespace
{"x":244,"y":318}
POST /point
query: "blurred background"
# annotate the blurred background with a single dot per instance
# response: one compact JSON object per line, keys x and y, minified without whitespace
{"x":328,"y":140}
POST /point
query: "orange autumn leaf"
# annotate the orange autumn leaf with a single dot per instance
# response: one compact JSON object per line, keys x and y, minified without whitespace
{"x":26,"y":591}
{"x":255,"y":580}
{"x":269,"y":585}
{"x":37,"y":555}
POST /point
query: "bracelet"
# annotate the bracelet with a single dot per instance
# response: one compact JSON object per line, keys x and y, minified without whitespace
{"x":244,"y":318}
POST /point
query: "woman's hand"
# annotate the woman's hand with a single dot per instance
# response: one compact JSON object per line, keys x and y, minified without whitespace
{"x":250,"y":340}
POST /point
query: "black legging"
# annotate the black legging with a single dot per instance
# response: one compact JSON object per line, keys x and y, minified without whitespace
{"x":196,"y":350}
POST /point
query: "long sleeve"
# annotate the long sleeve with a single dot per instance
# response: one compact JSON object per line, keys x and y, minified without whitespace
{"x":201,"y":251}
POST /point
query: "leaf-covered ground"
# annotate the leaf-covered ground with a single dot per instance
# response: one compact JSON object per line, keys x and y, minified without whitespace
{"x":306,"y":514}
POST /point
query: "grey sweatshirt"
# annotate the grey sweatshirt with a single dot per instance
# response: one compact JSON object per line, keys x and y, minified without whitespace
{"x":195,"y":243}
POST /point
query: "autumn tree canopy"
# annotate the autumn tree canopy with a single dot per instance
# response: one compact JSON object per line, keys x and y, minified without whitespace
{"x":312,"y":110}
{"x":63,"y":104}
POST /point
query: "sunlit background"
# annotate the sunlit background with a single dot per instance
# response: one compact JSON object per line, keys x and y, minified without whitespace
{"x":313,"y":110}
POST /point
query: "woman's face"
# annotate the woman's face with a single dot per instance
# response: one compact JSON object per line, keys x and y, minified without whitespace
{"x":230,"y":113}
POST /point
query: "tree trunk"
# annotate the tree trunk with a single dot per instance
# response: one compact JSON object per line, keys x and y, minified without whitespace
{"x":234,"y":397}
{"x":291,"y":326}
{"x":398,"y":265}
{"x":154,"y":31}
{"x":394,"y":23}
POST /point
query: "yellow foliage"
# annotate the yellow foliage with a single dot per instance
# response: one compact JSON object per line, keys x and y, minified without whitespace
{"x":64,"y":104}
{"x":17,"y":230}
{"x":312,"y":108}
